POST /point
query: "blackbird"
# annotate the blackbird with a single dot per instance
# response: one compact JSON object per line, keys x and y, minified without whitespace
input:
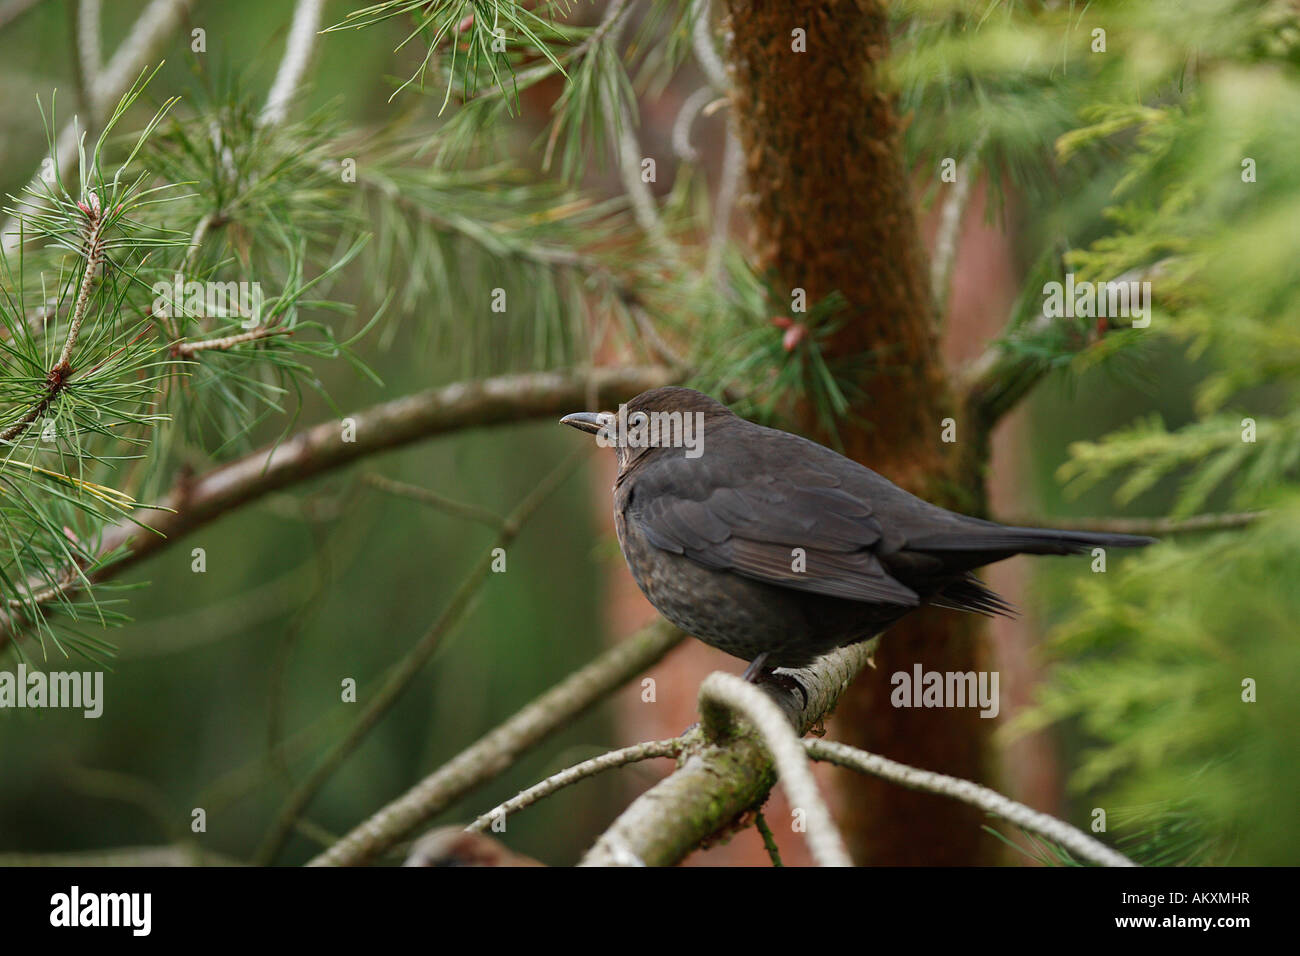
{"x":776,"y":549}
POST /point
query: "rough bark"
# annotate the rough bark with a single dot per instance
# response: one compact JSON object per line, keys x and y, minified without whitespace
{"x":717,"y":781}
{"x":831,"y":210}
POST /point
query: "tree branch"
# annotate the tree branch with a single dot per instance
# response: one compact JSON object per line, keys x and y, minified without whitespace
{"x":706,"y":54}
{"x":498,"y":750}
{"x":948,"y":237}
{"x":722,"y":694}
{"x":769,"y":840}
{"x":686,"y":116}
{"x":502,"y":400}
{"x":297,"y":51}
{"x":719,"y":781}
{"x":11,"y":10}
{"x":122,"y":856}
{"x":990,"y":801}
{"x":187,"y":349}
{"x":571,"y":775}
{"x":627,"y":153}
{"x":434,"y":500}
{"x":87,"y":17}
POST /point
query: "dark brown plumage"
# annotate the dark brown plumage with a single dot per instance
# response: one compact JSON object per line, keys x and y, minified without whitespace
{"x":776,"y":549}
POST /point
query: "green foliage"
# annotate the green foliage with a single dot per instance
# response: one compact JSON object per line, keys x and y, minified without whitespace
{"x":761,"y":353}
{"x":479,"y":35}
{"x":1170,"y":157}
{"x":206,"y":195}
{"x":97,"y":360}
{"x":1154,"y":666}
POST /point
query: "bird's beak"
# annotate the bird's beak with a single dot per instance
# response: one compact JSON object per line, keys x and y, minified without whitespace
{"x":585,"y":421}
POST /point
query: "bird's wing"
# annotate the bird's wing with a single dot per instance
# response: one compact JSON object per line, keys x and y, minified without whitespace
{"x":791,"y":526}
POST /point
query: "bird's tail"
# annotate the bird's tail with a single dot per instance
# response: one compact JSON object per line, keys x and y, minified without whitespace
{"x":988,"y":536}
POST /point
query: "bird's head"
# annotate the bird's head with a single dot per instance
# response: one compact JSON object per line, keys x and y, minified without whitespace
{"x":671,"y":417}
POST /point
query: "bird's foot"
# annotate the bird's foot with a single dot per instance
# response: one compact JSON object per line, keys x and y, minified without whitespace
{"x":787,"y":682}
{"x":756,"y":669}
{"x":757,"y":672}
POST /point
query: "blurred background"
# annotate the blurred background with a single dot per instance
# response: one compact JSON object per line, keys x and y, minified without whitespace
{"x":225,"y":684}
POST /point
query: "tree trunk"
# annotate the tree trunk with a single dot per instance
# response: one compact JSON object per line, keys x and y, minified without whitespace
{"x":832,"y":210}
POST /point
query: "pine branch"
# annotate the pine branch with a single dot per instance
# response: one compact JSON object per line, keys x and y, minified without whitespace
{"x":1002,"y":376}
{"x":195,"y":501}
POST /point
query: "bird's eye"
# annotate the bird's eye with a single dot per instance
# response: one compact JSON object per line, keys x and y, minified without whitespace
{"x":637,"y":419}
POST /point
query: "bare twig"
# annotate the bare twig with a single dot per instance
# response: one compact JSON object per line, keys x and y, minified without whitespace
{"x":1073,"y":839}
{"x":11,"y":10}
{"x":201,"y":230}
{"x":706,"y":54}
{"x":498,"y":750}
{"x":88,"y":53}
{"x":571,"y":775}
{"x":733,"y":158}
{"x":725,"y":696}
{"x":627,"y":152}
{"x":178,"y":855}
{"x":434,"y":500}
{"x":297,"y":52}
{"x":769,"y":839}
{"x":187,"y":349}
{"x":644,"y":207}
{"x":659,"y":346}
{"x":948,"y":236}
{"x":733,"y":166}
{"x":681,"y":134}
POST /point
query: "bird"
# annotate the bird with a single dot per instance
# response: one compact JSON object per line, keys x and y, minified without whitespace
{"x":776,"y":549}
